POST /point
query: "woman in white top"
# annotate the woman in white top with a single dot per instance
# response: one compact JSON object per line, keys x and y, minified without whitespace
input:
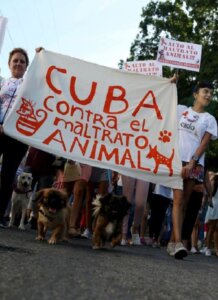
{"x":196,"y":129}
{"x":12,"y":151}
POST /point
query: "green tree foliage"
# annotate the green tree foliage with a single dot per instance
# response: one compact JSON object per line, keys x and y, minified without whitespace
{"x":193,"y":21}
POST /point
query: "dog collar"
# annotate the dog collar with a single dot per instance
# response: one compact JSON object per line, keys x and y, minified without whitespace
{"x":19,"y":191}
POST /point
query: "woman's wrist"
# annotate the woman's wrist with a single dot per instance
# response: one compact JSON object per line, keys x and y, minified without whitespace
{"x":193,"y":163}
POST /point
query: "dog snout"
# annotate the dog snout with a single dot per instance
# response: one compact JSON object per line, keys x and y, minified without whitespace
{"x":26,"y":183}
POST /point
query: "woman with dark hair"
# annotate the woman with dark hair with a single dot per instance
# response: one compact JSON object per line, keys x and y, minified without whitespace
{"x":196,"y":129}
{"x":12,"y":151}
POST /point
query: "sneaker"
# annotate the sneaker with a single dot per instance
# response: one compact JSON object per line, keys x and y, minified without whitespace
{"x":148,"y":241}
{"x":180,"y":251}
{"x":123,"y":242}
{"x":208,"y":252}
{"x":3,"y":223}
{"x":203,"y":250}
{"x":155,"y":244}
{"x":171,"y":248}
{"x":136,"y":239}
{"x":193,"y":250}
{"x":87,"y":234}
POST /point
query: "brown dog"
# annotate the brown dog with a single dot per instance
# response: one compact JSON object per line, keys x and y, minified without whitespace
{"x":109,"y":212}
{"x":53,"y":214}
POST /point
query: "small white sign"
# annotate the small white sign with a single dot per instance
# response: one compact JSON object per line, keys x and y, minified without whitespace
{"x":146,"y":67}
{"x":179,"y":55}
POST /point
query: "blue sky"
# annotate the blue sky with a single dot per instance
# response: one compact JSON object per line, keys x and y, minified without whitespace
{"x":99,"y":31}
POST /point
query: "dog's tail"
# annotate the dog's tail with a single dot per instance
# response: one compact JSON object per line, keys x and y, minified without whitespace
{"x":96,"y":205}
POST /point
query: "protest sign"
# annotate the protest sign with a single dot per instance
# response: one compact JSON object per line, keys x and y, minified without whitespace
{"x":99,"y":116}
{"x":3,"y":23}
{"x":179,"y":55}
{"x":146,"y":67}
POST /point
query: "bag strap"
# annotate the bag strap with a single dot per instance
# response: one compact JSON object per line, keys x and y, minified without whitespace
{"x":8,"y":106}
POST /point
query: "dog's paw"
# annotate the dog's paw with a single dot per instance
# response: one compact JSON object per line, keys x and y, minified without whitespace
{"x":22,"y":227}
{"x":95,"y":247}
{"x":52,"y":241}
{"x":40,"y":238}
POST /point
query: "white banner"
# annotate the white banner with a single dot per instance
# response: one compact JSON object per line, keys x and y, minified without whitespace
{"x":3,"y":23}
{"x":146,"y":67}
{"x":99,"y":116}
{"x":179,"y":55}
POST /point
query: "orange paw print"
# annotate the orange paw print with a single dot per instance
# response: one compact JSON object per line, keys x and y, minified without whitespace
{"x":165,"y":136}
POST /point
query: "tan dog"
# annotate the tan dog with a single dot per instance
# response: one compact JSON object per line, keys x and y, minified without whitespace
{"x":53,"y":214}
{"x":20,"y":198}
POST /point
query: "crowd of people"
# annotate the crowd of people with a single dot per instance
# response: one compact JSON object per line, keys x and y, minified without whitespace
{"x":159,"y":215}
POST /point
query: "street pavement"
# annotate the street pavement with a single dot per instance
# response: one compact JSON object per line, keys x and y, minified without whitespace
{"x":35,"y":270}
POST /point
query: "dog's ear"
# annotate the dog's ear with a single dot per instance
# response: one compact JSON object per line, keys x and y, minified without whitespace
{"x":105,"y":199}
{"x":39,"y":196}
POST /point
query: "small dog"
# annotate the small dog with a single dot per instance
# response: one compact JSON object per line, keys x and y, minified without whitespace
{"x":20,"y":198}
{"x":53,"y":214}
{"x":109,"y":212}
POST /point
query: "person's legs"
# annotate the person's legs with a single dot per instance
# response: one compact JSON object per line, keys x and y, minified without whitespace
{"x":13,"y":153}
{"x":175,"y":247}
{"x":89,"y":197}
{"x":151,"y":223}
{"x":103,"y":187}
{"x":187,"y":192}
{"x":162,"y":204}
{"x":78,"y":196}
{"x":191,"y":214}
{"x":215,"y":236}
{"x":194,"y":236}
{"x":141,"y":194}
{"x":177,"y":215}
{"x":144,"y":224}
{"x":68,"y":187}
{"x":128,"y":191}
{"x":210,"y":232}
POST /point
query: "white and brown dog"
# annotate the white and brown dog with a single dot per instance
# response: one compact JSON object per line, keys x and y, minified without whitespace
{"x":20,"y":198}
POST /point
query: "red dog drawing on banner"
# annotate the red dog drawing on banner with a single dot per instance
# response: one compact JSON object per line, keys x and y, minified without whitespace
{"x":160,"y":159}
{"x":29,"y":121}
